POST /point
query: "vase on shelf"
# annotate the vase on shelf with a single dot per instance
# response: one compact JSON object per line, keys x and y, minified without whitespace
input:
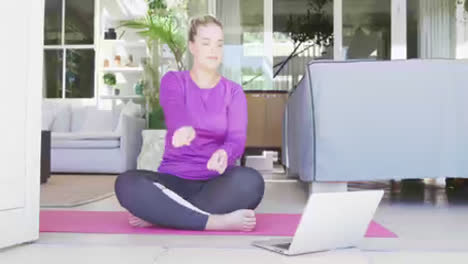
{"x":110,"y":34}
{"x":139,"y":88}
{"x":130,"y":62}
{"x":117,"y":61}
{"x":109,"y":90}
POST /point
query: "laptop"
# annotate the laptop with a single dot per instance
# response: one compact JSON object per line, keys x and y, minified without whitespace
{"x":329,"y":221}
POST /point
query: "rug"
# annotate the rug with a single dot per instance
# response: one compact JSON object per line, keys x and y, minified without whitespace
{"x":75,"y":190}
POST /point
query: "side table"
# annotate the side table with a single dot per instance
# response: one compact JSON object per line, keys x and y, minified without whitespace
{"x":45,"y":155}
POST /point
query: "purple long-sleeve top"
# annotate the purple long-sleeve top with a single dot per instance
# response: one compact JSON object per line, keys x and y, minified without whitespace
{"x":218,"y":115}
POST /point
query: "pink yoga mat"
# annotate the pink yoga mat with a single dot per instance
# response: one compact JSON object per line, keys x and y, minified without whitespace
{"x":117,"y":223}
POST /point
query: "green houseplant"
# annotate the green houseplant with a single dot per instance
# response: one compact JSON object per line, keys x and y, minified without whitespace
{"x":110,"y":81}
{"x":162,"y":25}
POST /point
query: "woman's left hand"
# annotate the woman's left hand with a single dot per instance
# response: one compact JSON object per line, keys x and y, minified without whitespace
{"x":218,"y":161}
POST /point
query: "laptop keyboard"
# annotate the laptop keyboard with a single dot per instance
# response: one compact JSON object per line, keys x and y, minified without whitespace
{"x":284,"y":246}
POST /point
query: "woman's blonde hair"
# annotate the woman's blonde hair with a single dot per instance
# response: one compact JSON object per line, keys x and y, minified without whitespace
{"x":196,"y":22}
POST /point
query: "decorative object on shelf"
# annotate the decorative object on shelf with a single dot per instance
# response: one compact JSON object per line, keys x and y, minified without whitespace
{"x":110,"y":34}
{"x":116,"y":91}
{"x":130,"y":61}
{"x":110,"y":81}
{"x":139,"y":87}
{"x":106,"y":63}
{"x":117,"y":61}
{"x":161,"y":25}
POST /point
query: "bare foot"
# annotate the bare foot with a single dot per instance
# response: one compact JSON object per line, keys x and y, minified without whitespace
{"x":137,"y":222}
{"x":240,"y":220}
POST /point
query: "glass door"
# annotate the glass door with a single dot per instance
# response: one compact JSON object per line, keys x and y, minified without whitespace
{"x":302,"y":32}
{"x":268,"y":42}
{"x":366,"y":29}
{"x":370,"y":29}
{"x":246,"y":42}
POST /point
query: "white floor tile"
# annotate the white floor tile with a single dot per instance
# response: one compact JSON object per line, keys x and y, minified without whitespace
{"x":235,"y":256}
{"x":59,"y":254}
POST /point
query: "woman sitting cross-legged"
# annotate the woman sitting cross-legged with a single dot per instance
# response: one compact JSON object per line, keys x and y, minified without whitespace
{"x":198,"y":186}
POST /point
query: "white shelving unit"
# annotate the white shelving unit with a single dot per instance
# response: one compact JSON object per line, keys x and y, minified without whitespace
{"x":123,"y":97}
{"x":122,"y":69}
{"x":129,"y":43}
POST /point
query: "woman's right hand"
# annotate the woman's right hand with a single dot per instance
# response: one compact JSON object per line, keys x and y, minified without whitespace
{"x":183,"y":136}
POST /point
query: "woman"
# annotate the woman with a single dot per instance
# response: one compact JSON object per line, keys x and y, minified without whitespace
{"x":198,"y":186}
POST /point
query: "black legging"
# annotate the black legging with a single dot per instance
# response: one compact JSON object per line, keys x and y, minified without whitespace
{"x":238,"y":188}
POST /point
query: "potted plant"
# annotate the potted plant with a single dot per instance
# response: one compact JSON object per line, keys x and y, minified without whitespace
{"x":110,"y":82}
{"x":162,"y":25}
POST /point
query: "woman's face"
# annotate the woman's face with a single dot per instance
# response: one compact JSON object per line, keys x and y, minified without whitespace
{"x":207,"y":47}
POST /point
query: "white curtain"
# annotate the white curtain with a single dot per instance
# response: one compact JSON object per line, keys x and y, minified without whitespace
{"x":464,"y":44}
{"x":461,"y":30}
{"x":436,"y":28}
{"x":462,"y":22}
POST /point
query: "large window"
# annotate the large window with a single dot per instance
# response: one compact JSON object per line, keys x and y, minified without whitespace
{"x":367,"y":29}
{"x":245,"y":45}
{"x":302,"y":32}
{"x":270,"y":42}
{"x":69,"y":49}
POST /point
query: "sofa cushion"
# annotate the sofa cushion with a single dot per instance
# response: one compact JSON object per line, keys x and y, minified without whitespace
{"x":85,"y":135}
{"x":86,"y":144}
{"x":78,"y":117}
{"x":60,"y":113}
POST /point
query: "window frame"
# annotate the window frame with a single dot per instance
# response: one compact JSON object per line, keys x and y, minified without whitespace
{"x":64,"y":47}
